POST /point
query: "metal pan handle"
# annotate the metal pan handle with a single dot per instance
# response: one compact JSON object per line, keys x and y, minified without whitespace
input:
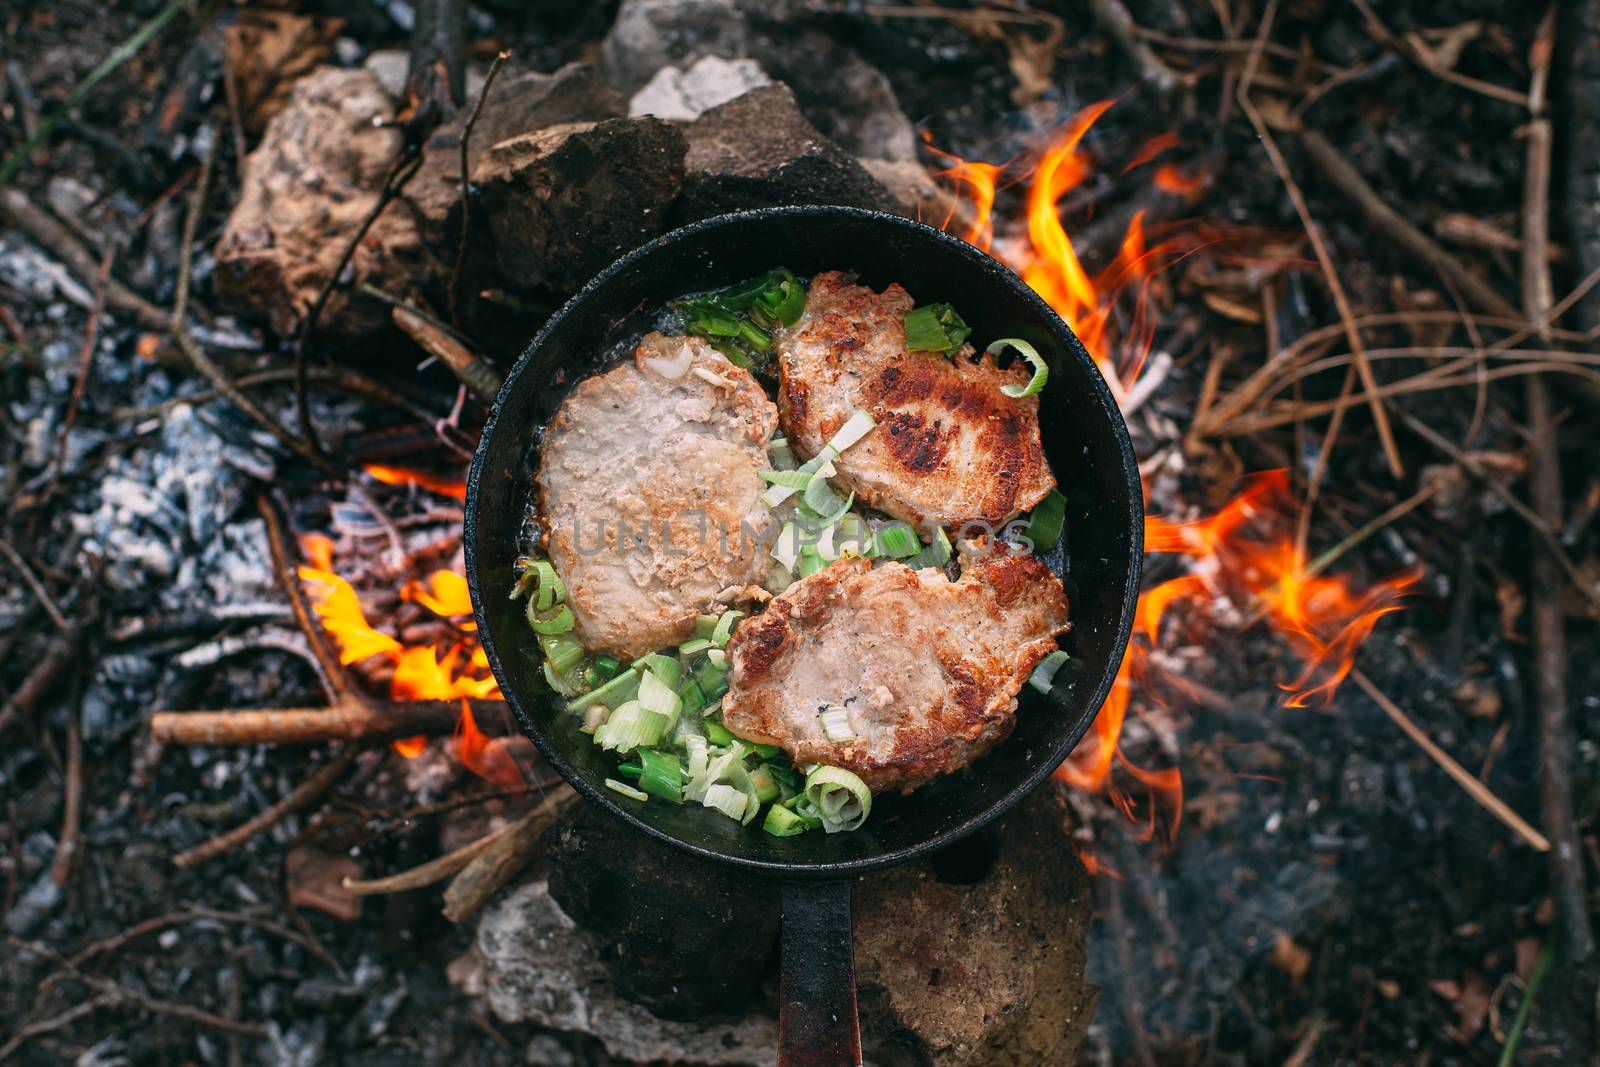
{"x":817,"y":1024}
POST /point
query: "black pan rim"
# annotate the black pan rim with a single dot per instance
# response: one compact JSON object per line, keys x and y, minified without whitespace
{"x":1047,"y":317}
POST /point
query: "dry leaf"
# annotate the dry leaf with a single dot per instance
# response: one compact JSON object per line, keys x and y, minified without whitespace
{"x":1512,"y":601}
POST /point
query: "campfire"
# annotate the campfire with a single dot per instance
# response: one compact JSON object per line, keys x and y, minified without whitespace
{"x":264,"y":270}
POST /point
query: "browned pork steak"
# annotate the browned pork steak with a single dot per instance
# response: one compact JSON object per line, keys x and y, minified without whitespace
{"x":949,"y":447}
{"x":927,"y":669}
{"x":648,"y":487}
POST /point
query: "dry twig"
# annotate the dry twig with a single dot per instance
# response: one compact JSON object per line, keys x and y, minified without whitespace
{"x":306,"y":793}
{"x":486,"y":873}
{"x":466,"y":186}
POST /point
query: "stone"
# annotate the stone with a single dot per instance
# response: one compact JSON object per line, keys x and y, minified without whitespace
{"x":517,"y":104}
{"x":759,"y":151}
{"x":630,"y":892}
{"x":684,"y":95}
{"x":846,"y":97}
{"x":986,"y":973}
{"x":304,"y":191}
{"x":650,"y":34}
{"x":532,"y":963}
{"x":913,"y":188}
{"x":563,"y":202}
{"x":973,"y":958}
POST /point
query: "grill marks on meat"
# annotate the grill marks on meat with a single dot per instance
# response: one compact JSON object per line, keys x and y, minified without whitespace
{"x":949,"y":448}
{"x":928,"y":669}
{"x":648,"y":487}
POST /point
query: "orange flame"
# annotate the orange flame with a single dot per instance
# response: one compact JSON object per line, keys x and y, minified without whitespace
{"x":450,"y":487}
{"x":486,"y":758}
{"x":1241,"y":554}
{"x":421,"y":672}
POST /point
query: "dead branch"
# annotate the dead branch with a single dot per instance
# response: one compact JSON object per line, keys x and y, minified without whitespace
{"x":1115,"y":19}
{"x":353,"y":719}
{"x":1549,"y":624}
{"x":35,"y":586}
{"x":60,"y":652}
{"x":28,"y":1031}
{"x":475,"y":373}
{"x":466,"y":187}
{"x":435,"y":870}
{"x":487,"y":873}
{"x":334,"y":675}
{"x":43,"y":229}
{"x":304,"y":794}
{"x":72,"y":797}
{"x":91,"y":333}
{"x":1475,"y":789}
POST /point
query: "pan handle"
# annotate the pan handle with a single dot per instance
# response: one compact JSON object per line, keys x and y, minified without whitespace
{"x":817,"y":1024}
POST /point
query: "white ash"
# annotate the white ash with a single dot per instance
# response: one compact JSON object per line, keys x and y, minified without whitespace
{"x":682,"y":95}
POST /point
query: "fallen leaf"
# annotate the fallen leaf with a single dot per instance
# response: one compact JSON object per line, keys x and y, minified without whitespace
{"x":266,"y":51}
{"x":315,"y":880}
{"x":1512,"y":601}
{"x":1290,"y":957}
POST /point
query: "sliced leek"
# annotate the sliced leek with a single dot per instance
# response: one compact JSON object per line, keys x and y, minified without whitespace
{"x":1044,"y":674}
{"x":841,"y":799}
{"x":1041,"y":370}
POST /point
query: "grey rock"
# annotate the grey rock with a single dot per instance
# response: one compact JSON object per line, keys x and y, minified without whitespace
{"x":848,"y":99}
{"x":655,"y":948}
{"x":389,"y":66}
{"x":533,"y":964}
{"x":684,"y":95}
{"x":759,"y":151}
{"x":650,"y":34}
{"x":36,"y":904}
{"x":563,"y":202}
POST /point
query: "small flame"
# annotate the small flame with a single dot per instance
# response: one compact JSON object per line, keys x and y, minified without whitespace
{"x":1173,"y":179}
{"x":421,"y":672}
{"x":485,"y":757}
{"x":433,"y":483}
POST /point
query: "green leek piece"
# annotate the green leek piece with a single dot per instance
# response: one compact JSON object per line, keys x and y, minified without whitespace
{"x":558,"y":621}
{"x":792,"y":303}
{"x":608,"y":666}
{"x":655,"y":695}
{"x":935,"y":328}
{"x":718,"y":734}
{"x":853,"y":430}
{"x":777,"y":494}
{"x":630,"y":770}
{"x":713,"y":683}
{"x":1044,"y":673}
{"x":935,"y":553}
{"x":689,"y":649}
{"x":795,"y":479}
{"x":613,"y":694}
{"x":690,"y":697}
{"x":631,"y":726}
{"x":728,"y":799}
{"x":897,"y":541}
{"x":767,"y":788}
{"x":562,"y":650}
{"x":724,"y":630}
{"x":626,"y":790}
{"x":811,"y":561}
{"x":699,"y":754}
{"x":781,"y":822}
{"x":666,"y":668}
{"x":705,"y":625}
{"x":1041,"y":370}
{"x":661,"y":775}
{"x":788,"y":781}
{"x":836,"y":725}
{"x":841,"y":798}
{"x":823,"y":501}
{"x":1046,"y":521}
{"x":569,"y":684}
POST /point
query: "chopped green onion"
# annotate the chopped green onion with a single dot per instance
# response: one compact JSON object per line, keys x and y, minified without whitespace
{"x":630,"y":770}
{"x":699,"y":755}
{"x":718,"y":658}
{"x":538,"y":576}
{"x":792,"y":300}
{"x":704,"y":625}
{"x":829,"y":518}
{"x":897,"y":541}
{"x":781,"y":455}
{"x":822,"y":500}
{"x":781,"y":822}
{"x":836,"y":725}
{"x":795,"y":479}
{"x":724,"y":630}
{"x":1046,"y":521}
{"x":713,"y":682}
{"x":708,"y":320}
{"x":854,"y":536}
{"x":562,"y":650}
{"x":608,"y":666}
{"x":661,"y":775}
{"x":935,"y":328}
{"x":787,"y":547}
{"x":558,"y":621}
{"x":567,"y":683}
{"x":1044,"y":674}
{"x":777,"y":494}
{"x":665,"y":668}
{"x":690,"y":697}
{"x":613,"y":694}
{"x":841,"y":798}
{"x":631,"y":726}
{"x":730,"y":349}
{"x":626,"y":790}
{"x":766,"y":785}
{"x":726,"y":799}
{"x":811,"y":562}
{"x":718,"y":734}
{"x":790,"y":782}
{"x":935,"y":554}
{"x":755,"y":335}
{"x":655,"y":695}
{"x":690,"y":649}
{"x":1041,"y":370}
{"x":854,"y":429}
{"x":761,"y":751}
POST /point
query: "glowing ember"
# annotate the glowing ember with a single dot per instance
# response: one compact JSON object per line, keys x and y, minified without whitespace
{"x":455,"y":490}
{"x":1243,"y":555}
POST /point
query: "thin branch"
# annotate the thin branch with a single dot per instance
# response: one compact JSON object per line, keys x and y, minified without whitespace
{"x":306,"y":793}
{"x":35,"y":586}
{"x":466,"y":185}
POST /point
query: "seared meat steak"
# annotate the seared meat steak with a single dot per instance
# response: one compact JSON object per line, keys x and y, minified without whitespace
{"x":648,"y":488}
{"x":949,"y":447}
{"x":927,"y":669}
